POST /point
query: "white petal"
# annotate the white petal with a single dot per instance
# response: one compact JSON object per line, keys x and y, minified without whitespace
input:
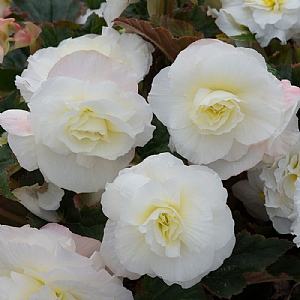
{"x":57,"y":168}
{"x":15,"y":122}
{"x":25,"y":150}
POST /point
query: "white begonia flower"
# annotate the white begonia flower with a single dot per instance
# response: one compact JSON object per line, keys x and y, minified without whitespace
{"x":166,"y":220}
{"x":267,"y":19}
{"x":43,"y":201}
{"x":223,"y":108}
{"x":127,"y":48}
{"x":83,"y":127}
{"x":52,"y":264}
{"x":251,"y":193}
{"x":282,"y":185}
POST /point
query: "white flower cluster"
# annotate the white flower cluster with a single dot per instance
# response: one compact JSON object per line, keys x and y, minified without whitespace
{"x":52,"y":264}
{"x":267,"y":19}
{"x":225,"y":114}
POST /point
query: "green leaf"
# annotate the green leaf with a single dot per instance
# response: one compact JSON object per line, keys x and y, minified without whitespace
{"x":156,"y":289}
{"x":249,"y":37}
{"x":159,"y":142}
{"x":288,"y":264}
{"x":94,"y":4}
{"x":284,"y":72}
{"x":296,"y":75}
{"x":48,"y":10}
{"x":159,"y":36}
{"x":7,"y":161}
{"x":137,"y":10}
{"x":261,"y":291}
{"x":94,"y":24}
{"x":91,"y":223}
{"x":7,"y":78}
{"x":282,"y":56}
{"x":35,"y":221}
{"x":53,"y":34}
{"x":251,"y":254}
{"x":202,"y":22}
{"x":16,"y":58}
{"x":12,"y":101}
{"x":177,"y":27}
{"x":272,"y":69}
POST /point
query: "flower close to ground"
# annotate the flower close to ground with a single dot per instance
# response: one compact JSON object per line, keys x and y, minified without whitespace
{"x":52,"y":264}
{"x":267,"y":19}
{"x":223,"y":108}
{"x":282,"y":186}
{"x":251,"y":193}
{"x":83,"y":124}
{"x":167,"y":220}
{"x":129,"y":49}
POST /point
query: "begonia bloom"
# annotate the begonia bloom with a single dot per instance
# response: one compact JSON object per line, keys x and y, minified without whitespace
{"x":52,"y":264}
{"x":223,"y":108}
{"x":266,"y":19}
{"x":129,"y":49}
{"x":83,"y":124}
{"x":282,"y":186}
{"x":167,"y":220}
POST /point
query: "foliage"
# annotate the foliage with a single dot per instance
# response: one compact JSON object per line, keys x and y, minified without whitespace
{"x":261,"y":258}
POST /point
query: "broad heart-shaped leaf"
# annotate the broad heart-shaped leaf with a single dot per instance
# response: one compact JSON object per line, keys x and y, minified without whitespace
{"x":159,"y":36}
{"x":12,"y":101}
{"x":53,"y":33}
{"x":137,"y":10}
{"x":90,"y":222}
{"x":159,"y":142}
{"x":287,"y":264}
{"x":296,"y":74}
{"x":202,"y":22}
{"x":16,"y":58}
{"x":283,"y":55}
{"x":94,"y":24}
{"x":156,"y":289}
{"x":48,"y":10}
{"x":251,"y":254}
{"x":7,"y":78}
{"x":177,"y":27}
{"x":6,"y":161}
{"x":94,"y":4}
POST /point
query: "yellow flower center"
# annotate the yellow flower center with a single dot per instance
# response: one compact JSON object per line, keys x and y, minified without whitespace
{"x":215,"y":112}
{"x":162,"y":230}
{"x":273,"y":5}
{"x":169,"y":225}
{"x":89,"y":127}
{"x":262,"y":197}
